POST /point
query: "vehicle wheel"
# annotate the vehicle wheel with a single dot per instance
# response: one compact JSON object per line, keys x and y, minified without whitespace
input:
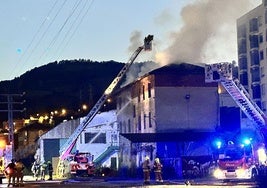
{"x":254,"y":174}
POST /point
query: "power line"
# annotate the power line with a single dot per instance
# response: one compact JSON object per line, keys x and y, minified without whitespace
{"x":33,"y":39}
{"x":60,"y":30}
{"x":47,"y":29}
{"x":58,"y":51}
{"x":81,"y":20}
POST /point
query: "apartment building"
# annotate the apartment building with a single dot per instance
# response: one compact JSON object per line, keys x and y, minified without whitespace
{"x":252,"y":53}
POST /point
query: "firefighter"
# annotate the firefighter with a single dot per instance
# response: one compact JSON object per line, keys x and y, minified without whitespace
{"x":10,"y":171}
{"x":43,"y":170}
{"x":19,"y":172}
{"x":35,"y":169}
{"x":146,"y":170}
{"x":157,"y":170}
{"x":50,"y":170}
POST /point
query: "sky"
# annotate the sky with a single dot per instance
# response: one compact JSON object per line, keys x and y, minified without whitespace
{"x":36,"y":32}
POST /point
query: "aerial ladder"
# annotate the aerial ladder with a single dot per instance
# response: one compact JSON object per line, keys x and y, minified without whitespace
{"x":222,"y":73}
{"x":70,"y":143}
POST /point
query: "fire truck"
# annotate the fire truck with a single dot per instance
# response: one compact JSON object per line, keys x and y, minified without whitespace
{"x":240,"y":158}
{"x":81,"y":164}
{"x":67,"y":163}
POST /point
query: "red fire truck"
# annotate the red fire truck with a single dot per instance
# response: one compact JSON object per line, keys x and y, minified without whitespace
{"x":238,"y":161}
{"x":81,"y":164}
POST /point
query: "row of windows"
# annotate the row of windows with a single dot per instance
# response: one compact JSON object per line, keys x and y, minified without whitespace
{"x":141,"y":93}
{"x":255,"y":23}
{"x":145,"y":121}
{"x":149,"y":87}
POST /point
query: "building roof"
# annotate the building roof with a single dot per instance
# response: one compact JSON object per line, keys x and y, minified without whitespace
{"x":182,"y":74}
{"x":180,"y":69}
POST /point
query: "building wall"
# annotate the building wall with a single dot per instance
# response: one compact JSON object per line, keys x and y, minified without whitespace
{"x":185,"y":108}
{"x":162,"y":103}
{"x":136,"y":114}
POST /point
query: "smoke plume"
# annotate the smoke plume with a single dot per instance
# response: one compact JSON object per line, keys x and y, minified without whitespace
{"x":208,"y":33}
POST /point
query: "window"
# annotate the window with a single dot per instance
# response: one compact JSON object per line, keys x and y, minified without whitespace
{"x":149,"y":120}
{"x":139,"y":123}
{"x":139,"y":93}
{"x":100,"y":139}
{"x":88,"y":137}
{"x":242,"y":46}
{"x":256,"y":91}
{"x":134,"y":113}
{"x":260,"y":38}
{"x":145,"y":121}
{"x":261,"y":55}
{"x":254,"y":56}
{"x":253,"y":25}
{"x":254,"y":43}
{"x":243,"y":64}
{"x":149,"y":89}
{"x":244,"y":78}
{"x":265,"y":2}
{"x":255,"y":74}
{"x":262,"y":72}
{"x":129,"y":126}
{"x":241,"y":31}
{"x":143,"y":92}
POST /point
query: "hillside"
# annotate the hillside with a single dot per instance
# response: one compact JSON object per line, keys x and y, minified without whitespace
{"x":65,"y":84}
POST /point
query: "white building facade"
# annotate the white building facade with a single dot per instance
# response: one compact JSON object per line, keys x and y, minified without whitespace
{"x":100,"y":138}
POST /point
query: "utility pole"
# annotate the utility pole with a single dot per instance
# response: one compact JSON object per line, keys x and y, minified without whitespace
{"x":10,"y":110}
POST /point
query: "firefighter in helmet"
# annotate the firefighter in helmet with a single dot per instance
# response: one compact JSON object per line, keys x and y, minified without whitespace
{"x":146,"y":170}
{"x":158,"y":170}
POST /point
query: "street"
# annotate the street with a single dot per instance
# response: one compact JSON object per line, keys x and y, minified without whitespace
{"x":132,"y":183}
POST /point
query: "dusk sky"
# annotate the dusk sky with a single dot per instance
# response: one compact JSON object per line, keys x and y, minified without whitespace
{"x":37,"y":32}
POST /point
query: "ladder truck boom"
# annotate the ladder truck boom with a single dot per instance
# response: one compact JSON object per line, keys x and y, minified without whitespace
{"x":69,"y":144}
{"x":222,"y":72}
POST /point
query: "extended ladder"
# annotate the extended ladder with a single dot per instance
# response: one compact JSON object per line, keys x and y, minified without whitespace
{"x":249,"y":107}
{"x":69,"y":144}
{"x":222,"y":72}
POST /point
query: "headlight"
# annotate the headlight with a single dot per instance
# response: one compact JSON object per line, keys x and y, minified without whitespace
{"x":240,"y":172}
{"x":218,"y":173}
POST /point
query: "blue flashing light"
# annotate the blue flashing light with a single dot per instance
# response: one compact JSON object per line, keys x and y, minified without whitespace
{"x":218,"y":144}
{"x":247,"y":141}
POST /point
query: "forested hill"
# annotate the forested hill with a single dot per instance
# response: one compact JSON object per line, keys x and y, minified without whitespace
{"x":65,"y":84}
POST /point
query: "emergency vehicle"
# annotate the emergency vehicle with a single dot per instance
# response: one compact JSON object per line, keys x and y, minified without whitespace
{"x":239,"y":159}
{"x":80,"y":164}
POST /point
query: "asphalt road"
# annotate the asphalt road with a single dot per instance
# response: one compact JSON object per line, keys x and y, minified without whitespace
{"x":104,"y":183}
